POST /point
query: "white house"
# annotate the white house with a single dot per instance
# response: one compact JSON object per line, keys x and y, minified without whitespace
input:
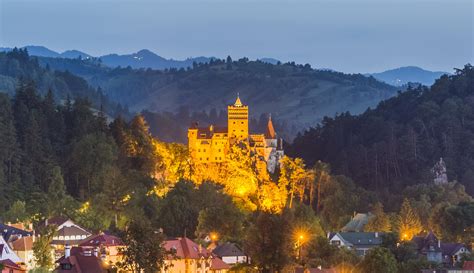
{"x":361,"y":242}
{"x":230,"y":253}
{"x":7,"y":253}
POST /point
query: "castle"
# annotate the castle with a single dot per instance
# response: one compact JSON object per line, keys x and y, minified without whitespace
{"x":210,"y":144}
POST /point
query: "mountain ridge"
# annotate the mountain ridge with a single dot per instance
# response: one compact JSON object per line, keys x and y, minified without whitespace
{"x":408,"y":74}
{"x":143,"y":58}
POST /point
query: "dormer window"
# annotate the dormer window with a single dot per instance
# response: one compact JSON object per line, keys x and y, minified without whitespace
{"x":66,"y":266}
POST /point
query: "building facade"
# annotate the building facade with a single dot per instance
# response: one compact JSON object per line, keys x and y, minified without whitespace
{"x":210,"y":144}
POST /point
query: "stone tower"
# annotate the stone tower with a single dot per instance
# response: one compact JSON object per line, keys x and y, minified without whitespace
{"x":238,"y":121}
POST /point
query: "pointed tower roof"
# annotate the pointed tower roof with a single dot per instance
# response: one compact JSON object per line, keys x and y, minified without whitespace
{"x":237,"y":101}
{"x":270,"y":134}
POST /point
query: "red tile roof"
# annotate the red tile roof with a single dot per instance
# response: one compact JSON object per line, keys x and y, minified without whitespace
{"x":102,"y":240}
{"x":468,"y":265}
{"x":187,"y":249}
{"x":23,"y":244}
{"x":81,"y":263}
{"x":11,"y":265}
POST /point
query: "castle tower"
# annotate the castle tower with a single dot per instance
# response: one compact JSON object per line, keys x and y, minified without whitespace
{"x":238,"y":121}
{"x":192,"y":139}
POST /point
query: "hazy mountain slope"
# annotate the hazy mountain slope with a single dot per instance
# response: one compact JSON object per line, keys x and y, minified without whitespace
{"x":141,"y":59}
{"x":17,"y":64}
{"x":297,"y":96}
{"x":404,"y":75}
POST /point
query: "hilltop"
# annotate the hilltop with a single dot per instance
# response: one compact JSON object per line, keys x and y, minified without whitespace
{"x":17,"y":68}
{"x":408,"y":74}
{"x":142,"y":59}
{"x":397,"y":143}
{"x":297,"y":96}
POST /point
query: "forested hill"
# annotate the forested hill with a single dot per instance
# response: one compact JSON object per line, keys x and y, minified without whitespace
{"x":397,"y":143}
{"x":295,"y":95}
{"x":17,"y":66}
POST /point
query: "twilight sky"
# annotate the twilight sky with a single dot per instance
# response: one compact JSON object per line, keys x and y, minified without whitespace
{"x":346,"y":35}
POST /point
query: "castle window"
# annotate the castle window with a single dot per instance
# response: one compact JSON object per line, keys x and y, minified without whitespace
{"x":204,"y":150}
{"x":199,"y":150}
{"x":200,"y":158}
{"x":216,"y":157}
{"x":207,"y":158}
{"x":242,"y":122}
{"x":234,"y":122}
{"x":219,"y":150}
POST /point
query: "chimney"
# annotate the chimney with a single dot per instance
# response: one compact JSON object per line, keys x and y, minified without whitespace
{"x":96,"y":252}
{"x":67,"y":251}
{"x":46,"y":222}
{"x":376,"y":234}
{"x":439,"y":243}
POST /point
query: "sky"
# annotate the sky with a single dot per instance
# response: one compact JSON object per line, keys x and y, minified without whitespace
{"x":345,"y":35}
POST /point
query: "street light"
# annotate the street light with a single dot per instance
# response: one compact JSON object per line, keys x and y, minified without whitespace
{"x":214,"y":236}
{"x":301,"y":238}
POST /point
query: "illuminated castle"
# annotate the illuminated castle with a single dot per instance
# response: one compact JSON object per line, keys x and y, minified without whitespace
{"x":210,"y":144}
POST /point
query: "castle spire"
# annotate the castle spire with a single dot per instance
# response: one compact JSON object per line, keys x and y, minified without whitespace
{"x":237,"y":101}
{"x":270,"y":134}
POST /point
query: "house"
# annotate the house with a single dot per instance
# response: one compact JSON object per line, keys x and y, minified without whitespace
{"x":450,"y":270}
{"x":78,"y":260}
{"x":361,"y":242}
{"x":190,"y":257}
{"x":358,"y":222}
{"x":23,"y":247}
{"x":108,"y":246}
{"x":68,"y":232}
{"x":436,"y":251}
{"x":11,"y":233}
{"x":230,"y":253}
{"x":10,"y":267}
{"x":429,"y":246}
{"x":7,"y":253}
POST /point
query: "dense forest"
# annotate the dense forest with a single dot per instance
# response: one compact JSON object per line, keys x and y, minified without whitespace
{"x":296,"y":95}
{"x":397,"y":143}
{"x":64,"y":159}
{"x":17,"y":65}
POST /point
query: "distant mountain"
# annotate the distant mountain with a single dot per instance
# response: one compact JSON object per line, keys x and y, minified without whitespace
{"x":73,"y":54}
{"x":17,"y":64}
{"x":408,"y":74}
{"x":142,"y":59}
{"x":269,"y":60}
{"x":147,"y":59}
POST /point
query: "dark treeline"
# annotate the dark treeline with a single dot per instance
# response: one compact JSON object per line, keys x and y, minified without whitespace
{"x":396,"y":144}
{"x":56,"y":156}
{"x":17,"y":65}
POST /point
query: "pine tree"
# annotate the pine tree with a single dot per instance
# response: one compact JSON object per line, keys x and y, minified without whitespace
{"x":409,"y":224}
{"x":380,"y":222}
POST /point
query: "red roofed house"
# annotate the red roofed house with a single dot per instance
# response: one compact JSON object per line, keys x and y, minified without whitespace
{"x":192,"y":258}
{"x":108,"y":247}
{"x":23,"y":247}
{"x":68,"y":233}
{"x":78,"y":260}
{"x":11,"y":267}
